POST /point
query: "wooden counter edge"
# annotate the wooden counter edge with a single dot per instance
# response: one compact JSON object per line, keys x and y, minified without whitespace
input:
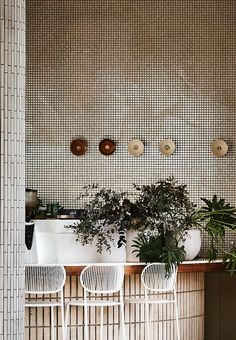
{"x":183,"y":268}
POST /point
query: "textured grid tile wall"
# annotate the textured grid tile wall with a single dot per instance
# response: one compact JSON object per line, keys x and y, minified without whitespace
{"x":130,"y":69}
{"x":12,"y":168}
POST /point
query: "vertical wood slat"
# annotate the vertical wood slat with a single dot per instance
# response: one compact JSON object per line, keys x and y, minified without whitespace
{"x":12,"y":168}
{"x":190,"y":288}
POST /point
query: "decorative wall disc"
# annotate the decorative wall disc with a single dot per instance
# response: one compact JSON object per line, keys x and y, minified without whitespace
{"x":219,"y":147}
{"x":107,"y":147}
{"x":167,"y":147}
{"x":78,"y":147}
{"x":135,"y":147}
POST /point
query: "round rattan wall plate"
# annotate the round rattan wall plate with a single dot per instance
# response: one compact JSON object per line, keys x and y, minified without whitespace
{"x":135,"y":147}
{"x":78,"y":147}
{"x":167,"y":147}
{"x":219,"y":147}
{"x":107,"y":147}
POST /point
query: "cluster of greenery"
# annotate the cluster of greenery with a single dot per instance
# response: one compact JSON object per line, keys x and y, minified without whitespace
{"x":158,"y":249}
{"x":161,"y":212}
{"x":163,"y":206}
{"x":215,"y":218}
{"x":105,"y":213}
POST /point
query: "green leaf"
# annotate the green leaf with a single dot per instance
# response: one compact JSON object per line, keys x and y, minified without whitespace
{"x":230,"y":259}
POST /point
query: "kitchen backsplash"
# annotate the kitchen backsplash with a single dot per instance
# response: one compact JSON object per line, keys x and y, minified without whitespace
{"x":130,"y":69}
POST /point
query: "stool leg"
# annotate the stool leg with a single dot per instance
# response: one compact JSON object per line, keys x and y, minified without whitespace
{"x":66,"y":320}
{"x":147,"y":320}
{"x":176,"y":316}
{"x":150,"y":324}
{"x":122,"y":321}
{"x":101,"y":323}
{"x":62,"y":316}
{"x":86,"y":322}
{"x":52,"y":324}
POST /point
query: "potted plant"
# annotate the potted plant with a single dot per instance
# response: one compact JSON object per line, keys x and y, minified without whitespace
{"x":162,"y":216}
{"x":215,"y":218}
{"x":104,"y":219}
{"x":162,"y":209}
{"x":133,"y":228}
{"x":168,"y":217}
{"x":159,"y":249}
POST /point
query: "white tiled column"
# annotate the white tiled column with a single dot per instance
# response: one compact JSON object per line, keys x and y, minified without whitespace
{"x":12,"y":171}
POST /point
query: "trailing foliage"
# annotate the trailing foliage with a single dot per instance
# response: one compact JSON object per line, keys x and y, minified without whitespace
{"x":105,"y":213}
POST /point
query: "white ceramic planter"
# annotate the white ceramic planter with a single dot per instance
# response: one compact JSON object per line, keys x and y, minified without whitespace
{"x":191,"y":243}
{"x":70,"y":251}
{"x":115,"y":254}
{"x":46,"y":241}
{"x":130,"y":236}
{"x":55,"y":243}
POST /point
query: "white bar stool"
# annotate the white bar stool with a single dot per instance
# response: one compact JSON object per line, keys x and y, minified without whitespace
{"x":155,"y":280}
{"x":46,"y":279}
{"x":100,"y":279}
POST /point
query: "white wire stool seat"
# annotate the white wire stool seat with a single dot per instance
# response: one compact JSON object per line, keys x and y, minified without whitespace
{"x":99,"y":279}
{"x":154,"y":279}
{"x":46,"y":279}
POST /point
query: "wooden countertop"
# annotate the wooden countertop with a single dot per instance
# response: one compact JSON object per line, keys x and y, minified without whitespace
{"x":136,"y":268}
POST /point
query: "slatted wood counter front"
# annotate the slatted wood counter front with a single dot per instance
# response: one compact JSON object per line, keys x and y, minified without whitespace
{"x":190,"y":292}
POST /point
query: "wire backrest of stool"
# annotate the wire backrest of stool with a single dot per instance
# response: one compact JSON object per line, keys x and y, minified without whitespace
{"x":104,"y":279}
{"x":44,"y":279}
{"x":155,"y":278}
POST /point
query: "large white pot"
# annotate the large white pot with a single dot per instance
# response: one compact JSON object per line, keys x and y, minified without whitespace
{"x":115,"y":254}
{"x":54,"y":243}
{"x":192,"y":243}
{"x":130,"y":236}
{"x":71,"y":251}
{"x":46,"y":241}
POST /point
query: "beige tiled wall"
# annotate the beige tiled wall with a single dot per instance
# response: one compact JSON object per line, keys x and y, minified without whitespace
{"x":12,"y":168}
{"x":128,"y":69}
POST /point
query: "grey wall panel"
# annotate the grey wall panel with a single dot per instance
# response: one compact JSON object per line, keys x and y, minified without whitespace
{"x":220,"y":306}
